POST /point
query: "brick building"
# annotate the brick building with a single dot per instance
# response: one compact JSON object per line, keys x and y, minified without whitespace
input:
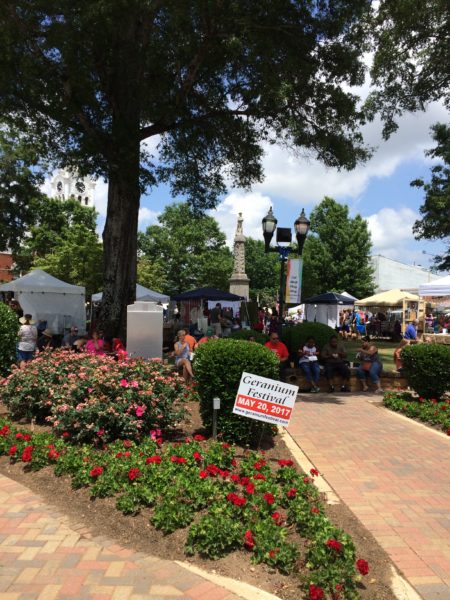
{"x":6,"y":263}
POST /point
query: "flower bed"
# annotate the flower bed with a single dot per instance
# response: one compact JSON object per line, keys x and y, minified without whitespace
{"x":227,"y":503}
{"x":431,"y":411}
{"x":95,"y":399}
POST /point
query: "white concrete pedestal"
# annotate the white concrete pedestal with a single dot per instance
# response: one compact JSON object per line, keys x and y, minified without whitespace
{"x":145,"y":330}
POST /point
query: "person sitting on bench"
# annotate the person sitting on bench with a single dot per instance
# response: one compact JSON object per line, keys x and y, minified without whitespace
{"x":334,"y":355}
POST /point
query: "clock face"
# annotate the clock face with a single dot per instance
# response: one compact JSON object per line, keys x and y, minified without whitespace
{"x":59,"y":186}
{"x":80,"y":186}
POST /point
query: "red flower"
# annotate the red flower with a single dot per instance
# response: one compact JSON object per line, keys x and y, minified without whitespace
{"x":96,"y":471}
{"x":335,"y":545}
{"x":133,"y":474}
{"x":285,"y":463}
{"x":203,"y":474}
{"x":249,"y":542}
{"x":259,"y":476}
{"x":65,"y":434}
{"x":277,"y":518}
{"x":448,"y":431}
{"x":235,"y":479}
{"x":245,"y":480}
{"x":273,"y":553}
{"x":53,"y":454}
{"x":4,"y":431}
{"x":197,"y":456}
{"x":12,"y":450}
{"x":153,"y":459}
{"x":19,"y":436}
{"x":119,"y":455}
{"x":233,"y":462}
{"x":292,"y":493}
{"x":127,"y":444}
{"x":315,"y":592}
{"x":178,"y":459}
{"x":250,"y":488}
{"x":314,"y":472}
{"x":259,"y":465}
{"x":213,"y":470}
{"x":27,"y":454}
{"x":269,"y":498}
{"x":315,"y":510}
{"x":305,"y":479}
{"x":226,"y":446}
{"x":235,"y":499}
{"x":362,"y":566}
{"x":198,"y":437}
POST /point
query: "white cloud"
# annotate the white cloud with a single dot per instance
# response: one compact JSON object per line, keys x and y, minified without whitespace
{"x":146,"y":217}
{"x":304,"y":181}
{"x":101,"y":197}
{"x":392,"y":232}
{"x":253,"y":206}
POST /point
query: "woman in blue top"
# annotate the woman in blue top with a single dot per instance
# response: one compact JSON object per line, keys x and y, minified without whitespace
{"x":182,"y":353}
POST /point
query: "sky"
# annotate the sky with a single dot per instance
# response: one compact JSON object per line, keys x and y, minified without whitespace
{"x":378,"y":190}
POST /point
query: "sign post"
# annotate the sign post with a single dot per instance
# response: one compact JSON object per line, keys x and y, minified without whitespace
{"x":265,"y":399}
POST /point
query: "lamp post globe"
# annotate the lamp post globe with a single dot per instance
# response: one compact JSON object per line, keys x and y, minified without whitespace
{"x":301,"y":227}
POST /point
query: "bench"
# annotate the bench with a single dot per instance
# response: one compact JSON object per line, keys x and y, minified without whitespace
{"x":390,"y":380}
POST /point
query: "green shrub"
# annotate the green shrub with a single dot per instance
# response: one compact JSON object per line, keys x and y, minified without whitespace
{"x":95,"y":399}
{"x":9,"y":326}
{"x":295,"y":336}
{"x":245,"y":334}
{"x":218,"y":368}
{"x":427,"y":369}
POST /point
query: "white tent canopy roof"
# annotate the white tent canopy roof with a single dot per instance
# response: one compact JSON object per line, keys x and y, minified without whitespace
{"x":40,"y":282}
{"x":390,"y":298}
{"x":142,"y":293}
{"x":438,"y":287}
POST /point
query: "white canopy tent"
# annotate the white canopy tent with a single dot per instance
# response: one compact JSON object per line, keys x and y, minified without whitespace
{"x":49,"y":299}
{"x":438,"y":287}
{"x":142,"y":293}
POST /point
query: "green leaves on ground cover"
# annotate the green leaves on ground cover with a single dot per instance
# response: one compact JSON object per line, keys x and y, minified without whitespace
{"x":228,"y":503}
{"x":430,"y":411}
{"x":94,"y":398}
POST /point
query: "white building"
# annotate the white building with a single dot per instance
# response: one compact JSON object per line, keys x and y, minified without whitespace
{"x":391,"y":274}
{"x":66,"y":184}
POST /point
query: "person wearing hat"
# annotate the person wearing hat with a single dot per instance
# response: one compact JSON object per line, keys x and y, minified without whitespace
{"x":209,"y":335}
{"x":46,"y":341}
{"x":27,"y":340}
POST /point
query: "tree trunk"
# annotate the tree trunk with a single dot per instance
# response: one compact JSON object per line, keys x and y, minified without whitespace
{"x":120,"y":247}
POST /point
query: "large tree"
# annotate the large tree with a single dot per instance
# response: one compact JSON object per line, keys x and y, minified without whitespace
{"x":263,"y":270}
{"x":338,"y":250}
{"x":209,"y":79}
{"x":189,"y":248}
{"x":435,"y":211}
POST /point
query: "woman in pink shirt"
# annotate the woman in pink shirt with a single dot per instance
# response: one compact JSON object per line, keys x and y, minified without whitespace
{"x":95,"y":345}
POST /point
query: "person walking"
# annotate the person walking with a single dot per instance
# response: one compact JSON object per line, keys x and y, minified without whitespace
{"x":27,"y":335}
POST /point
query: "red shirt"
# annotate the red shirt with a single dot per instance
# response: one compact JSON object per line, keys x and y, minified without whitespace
{"x":279,"y":348}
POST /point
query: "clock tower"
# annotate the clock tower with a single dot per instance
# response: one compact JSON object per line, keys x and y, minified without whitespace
{"x":67,"y":184}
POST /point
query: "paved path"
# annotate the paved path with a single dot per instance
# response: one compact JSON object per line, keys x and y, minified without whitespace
{"x":43,"y":558}
{"x":392,"y":473}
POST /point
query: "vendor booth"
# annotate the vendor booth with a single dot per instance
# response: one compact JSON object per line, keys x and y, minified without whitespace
{"x":195,"y":303}
{"x":394,"y":305}
{"x":325,"y":308}
{"x":143,"y":294}
{"x":49,"y":299}
{"x":438,"y":292}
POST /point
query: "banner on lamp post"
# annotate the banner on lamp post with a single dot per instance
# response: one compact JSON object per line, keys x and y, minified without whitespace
{"x":294,"y":281}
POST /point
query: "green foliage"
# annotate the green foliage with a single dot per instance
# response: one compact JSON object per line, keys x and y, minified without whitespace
{"x":218,"y":367}
{"x":93,"y":398}
{"x":263,"y":270}
{"x":427,"y":369}
{"x":429,"y":411}
{"x":242,"y":503}
{"x":295,"y":336}
{"x":337,"y":255}
{"x":151,"y":274}
{"x":9,"y":326}
{"x":435,"y":222}
{"x":245,"y":334}
{"x":188,"y":248}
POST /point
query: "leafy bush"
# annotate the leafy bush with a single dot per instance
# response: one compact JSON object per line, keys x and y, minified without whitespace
{"x":428,"y":411}
{"x":242,"y":503}
{"x":218,"y":367}
{"x":427,"y":369}
{"x":245,"y":334}
{"x":9,"y":326}
{"x":295,"y":336}
{"x":94,"y":398}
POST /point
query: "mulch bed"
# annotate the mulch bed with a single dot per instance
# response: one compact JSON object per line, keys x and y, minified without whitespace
{"x":103,"y":519}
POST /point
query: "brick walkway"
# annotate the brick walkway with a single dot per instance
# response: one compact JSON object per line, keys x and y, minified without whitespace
{"x":392,"y":473}
{"x":42,"y":557}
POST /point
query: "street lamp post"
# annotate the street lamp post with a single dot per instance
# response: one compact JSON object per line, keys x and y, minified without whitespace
{"x":284,"y":235}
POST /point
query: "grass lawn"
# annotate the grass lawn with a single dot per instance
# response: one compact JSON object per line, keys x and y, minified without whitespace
{"x":385,"y":350}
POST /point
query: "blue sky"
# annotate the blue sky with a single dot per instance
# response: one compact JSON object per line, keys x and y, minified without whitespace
{"x":379,"y":190}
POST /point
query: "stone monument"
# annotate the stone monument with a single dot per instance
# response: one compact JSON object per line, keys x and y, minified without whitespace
{"x":145,"y":330}
{"x":239,"y":282}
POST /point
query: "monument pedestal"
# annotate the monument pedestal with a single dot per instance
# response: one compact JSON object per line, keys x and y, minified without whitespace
{"x":145,"y":330}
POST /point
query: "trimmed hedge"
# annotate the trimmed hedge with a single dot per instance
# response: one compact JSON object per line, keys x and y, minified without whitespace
{"x":218,"y":367}
{"x":427,"y":369}
{"x":245,"y":334}
{"x":9,"y":326}
{"x":295,"y":336}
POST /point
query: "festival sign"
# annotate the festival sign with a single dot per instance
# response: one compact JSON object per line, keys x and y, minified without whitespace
{"x":294,"y":281}
{"x":265,"y":399}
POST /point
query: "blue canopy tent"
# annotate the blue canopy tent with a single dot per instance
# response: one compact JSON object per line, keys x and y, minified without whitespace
{"x":325,"y":308}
